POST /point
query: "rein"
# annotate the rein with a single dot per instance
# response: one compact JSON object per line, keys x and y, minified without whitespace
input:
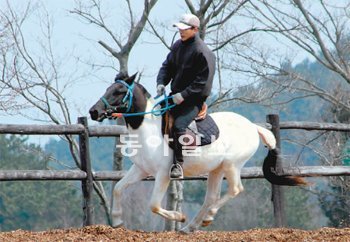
{"x":111,"y":111}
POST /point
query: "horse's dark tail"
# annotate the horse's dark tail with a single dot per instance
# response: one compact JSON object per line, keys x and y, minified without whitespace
{"x":271,"y":174}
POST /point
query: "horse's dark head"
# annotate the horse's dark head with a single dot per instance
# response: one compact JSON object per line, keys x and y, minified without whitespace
{"x":118,"y":98}
{"x":123,"y":96}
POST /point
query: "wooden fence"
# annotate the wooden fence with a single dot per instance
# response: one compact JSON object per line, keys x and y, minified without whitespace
{"x":86,"y":176}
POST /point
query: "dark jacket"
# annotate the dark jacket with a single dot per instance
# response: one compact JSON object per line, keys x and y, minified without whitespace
{"x":190,"y":66}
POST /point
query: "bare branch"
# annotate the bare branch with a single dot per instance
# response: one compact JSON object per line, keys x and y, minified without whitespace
{"x":191,"y":6}
{"x":321,"y":43}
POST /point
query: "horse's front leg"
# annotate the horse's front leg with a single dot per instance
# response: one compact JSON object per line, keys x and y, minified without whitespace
{"x":161,"y":184}
{"x":133,"y":175}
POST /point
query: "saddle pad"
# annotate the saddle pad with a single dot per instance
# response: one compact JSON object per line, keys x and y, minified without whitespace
{"x":207,"y":129}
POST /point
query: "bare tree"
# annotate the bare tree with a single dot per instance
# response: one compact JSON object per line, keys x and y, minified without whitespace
{"x":122,"y":44}
{"x":7,"y":96}
{"x":32,"y":77}
{"x":318,"y":29}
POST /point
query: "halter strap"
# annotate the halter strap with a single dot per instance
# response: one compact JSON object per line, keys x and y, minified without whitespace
{"x":154,"y":111}
{"x":129,"y":93}
{"x":127,"y":100}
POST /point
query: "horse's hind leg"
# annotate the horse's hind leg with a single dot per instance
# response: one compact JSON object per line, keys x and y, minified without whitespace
{"x":233,"y":176}
{"x":213,"y":194}
{"x":133,"y":175}
{"x":160,"y":187}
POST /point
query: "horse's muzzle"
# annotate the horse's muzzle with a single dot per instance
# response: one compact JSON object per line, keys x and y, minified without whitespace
{"x":94,"y":114}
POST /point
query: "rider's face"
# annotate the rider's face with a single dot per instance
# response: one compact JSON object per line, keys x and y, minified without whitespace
{"x":188,"y":33}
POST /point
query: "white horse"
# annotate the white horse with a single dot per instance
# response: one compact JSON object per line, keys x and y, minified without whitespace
{"x":225,"y":157}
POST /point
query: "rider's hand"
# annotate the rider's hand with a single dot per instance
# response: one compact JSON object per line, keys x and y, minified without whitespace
{"x":177,"y":98}
{"x":160,"y":90}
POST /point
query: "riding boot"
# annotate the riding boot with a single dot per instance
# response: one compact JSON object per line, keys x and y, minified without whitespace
{"x":176,"y":170}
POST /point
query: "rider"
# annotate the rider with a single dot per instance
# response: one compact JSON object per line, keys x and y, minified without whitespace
{"x":190,"y":68}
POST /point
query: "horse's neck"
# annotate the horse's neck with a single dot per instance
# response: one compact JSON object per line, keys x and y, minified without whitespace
{"x":149,"y":139}
{"x":151,"y":124}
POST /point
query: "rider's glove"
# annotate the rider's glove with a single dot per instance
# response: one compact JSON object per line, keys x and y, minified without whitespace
{"x":177,"y":98}
{"x":160,"y":90}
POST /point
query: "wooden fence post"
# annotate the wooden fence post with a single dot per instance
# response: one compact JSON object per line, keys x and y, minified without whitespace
{"x":277,"y":191}
{"x":86,"y":184}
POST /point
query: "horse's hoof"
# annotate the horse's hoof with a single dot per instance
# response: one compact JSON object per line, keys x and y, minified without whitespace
{"x":121,"y":225}
{"x":186,"y":230}
{"x":183,"y":219}
{"x":206,"y":223}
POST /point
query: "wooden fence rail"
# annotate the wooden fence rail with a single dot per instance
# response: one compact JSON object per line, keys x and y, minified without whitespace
{"x":113,"y":130}
{"x":247,"y":173}
{"x":86,"y":176}
{"x":315,"y":126}
{"x":30,"y":175}
{"x":93,"y":131}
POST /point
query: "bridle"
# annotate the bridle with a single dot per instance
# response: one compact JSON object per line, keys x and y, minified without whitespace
{"x":126,"y":102}
{"x":112,"y":111}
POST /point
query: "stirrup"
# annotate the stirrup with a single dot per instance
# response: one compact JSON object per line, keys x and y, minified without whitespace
{"x":177,"y":165}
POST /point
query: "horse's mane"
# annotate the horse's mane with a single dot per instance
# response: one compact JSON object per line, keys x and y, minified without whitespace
{"x":144,"y":90}
{"x":124,"y":76}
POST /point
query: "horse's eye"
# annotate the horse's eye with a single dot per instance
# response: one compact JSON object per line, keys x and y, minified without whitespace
{"x":119,"y":92}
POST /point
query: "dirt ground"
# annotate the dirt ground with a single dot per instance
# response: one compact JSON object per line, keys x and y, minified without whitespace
{"x":106,"y":233}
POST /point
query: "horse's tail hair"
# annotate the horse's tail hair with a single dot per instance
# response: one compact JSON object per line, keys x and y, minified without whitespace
{"x":267,"y":137}
{"x":269,"y":165}
{"x":271,"y":175}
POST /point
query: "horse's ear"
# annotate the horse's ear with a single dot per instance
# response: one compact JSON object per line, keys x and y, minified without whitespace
{"x":121,"y":76}
{"x":131,"y":79}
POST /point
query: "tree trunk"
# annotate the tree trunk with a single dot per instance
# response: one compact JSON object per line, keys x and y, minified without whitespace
{"x":180,"y":198}
{"x":174,"y":203}
{"x":171,"y":205}
{"x":117,"y":160}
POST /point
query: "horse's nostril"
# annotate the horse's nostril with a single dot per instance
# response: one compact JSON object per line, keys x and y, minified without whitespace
{"x":94,"y":114}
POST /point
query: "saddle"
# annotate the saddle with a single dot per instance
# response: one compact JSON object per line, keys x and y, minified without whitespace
{"x":201,"y":131}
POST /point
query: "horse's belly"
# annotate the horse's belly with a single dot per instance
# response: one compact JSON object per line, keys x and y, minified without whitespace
{"x":237,"y":142}
{"x":204,"y":159}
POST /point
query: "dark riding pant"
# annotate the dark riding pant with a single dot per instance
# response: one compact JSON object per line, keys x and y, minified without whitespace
{"x":183,"y":115}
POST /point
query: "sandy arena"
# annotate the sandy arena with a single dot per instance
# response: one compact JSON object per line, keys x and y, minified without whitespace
{"x":106,"y":233}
